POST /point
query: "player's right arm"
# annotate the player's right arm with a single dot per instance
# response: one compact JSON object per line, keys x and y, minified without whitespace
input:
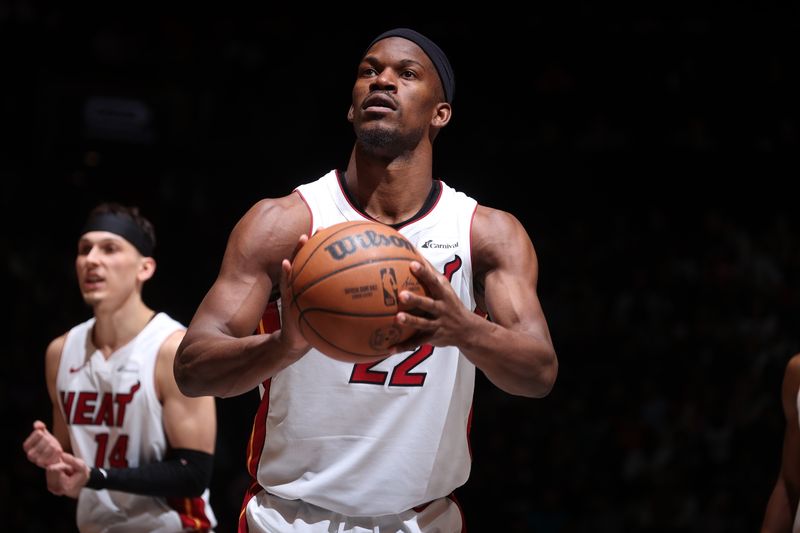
{"x":782,"y":504}
{"x":219,"y":355}
{"x":42,"y":447}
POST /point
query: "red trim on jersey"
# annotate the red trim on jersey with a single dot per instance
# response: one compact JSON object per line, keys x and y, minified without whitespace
{"x":192,"y":512}
{"x":347,"y":198}
{"x":249,"y":494}
{"x":310,"y":212}
{"x":366,"y":216}
{"x":271,"y":319}
{"x":469,"y":430}
{"x":452,"y":267}
{"x":258,"y":435}
{"x":270,"y":322}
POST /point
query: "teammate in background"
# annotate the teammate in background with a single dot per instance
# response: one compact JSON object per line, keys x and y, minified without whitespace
{"x":378,"y":447}
{"x":134,"y":451}
{"x":781,"y":513}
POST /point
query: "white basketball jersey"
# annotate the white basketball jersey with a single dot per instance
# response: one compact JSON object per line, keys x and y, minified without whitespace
{"x":114,"y":419}
{"x":380,"y":438}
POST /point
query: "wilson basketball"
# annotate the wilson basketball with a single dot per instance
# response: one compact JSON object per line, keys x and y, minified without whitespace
{"x":345,"y":283}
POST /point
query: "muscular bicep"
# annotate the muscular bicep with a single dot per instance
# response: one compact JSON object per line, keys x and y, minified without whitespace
{"x":241,"y":289}
{"x":188,"y":422}
{"x":506,"y":273}
{"x":250,"y":267}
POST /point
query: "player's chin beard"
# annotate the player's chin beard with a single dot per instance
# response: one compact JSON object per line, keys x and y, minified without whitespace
{"x":378,"y":140}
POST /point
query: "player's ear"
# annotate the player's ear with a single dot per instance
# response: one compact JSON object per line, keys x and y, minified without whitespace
{"x":350,"y":114}
{"x":441,"y":115}
{"x":146,"y":269}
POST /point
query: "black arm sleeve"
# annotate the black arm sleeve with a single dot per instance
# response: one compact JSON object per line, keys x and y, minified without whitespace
{"x":182,"y":473}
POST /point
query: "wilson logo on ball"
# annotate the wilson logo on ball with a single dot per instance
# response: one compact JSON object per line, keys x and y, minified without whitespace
{"x":340,"y":249}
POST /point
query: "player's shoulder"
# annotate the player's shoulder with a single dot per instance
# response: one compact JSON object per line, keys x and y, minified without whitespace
{"x":170,"y":344}
{"x":56,"y":346}
{"x":286,"y":213}
{"x":793,"y":365}
{"x":791,"y":375}
{"x":52,"y":355}
{"x":486,"y":215}
{"x":493,"y":224}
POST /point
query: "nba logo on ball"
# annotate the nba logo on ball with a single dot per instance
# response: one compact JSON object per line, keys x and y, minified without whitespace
{"x":345,"y":283}
{"x":389,"y":283}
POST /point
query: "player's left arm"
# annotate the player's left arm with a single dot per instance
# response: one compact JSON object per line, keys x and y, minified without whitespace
{"x":513,"y":348}
{"x":190,"y":424}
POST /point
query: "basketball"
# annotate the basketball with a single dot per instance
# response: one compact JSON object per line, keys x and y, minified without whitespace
{"x":345,"y":283}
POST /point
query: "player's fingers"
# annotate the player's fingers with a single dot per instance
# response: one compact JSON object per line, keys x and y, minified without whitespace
{"x":43,"y":453}
{"x":72,"y":462}
{"x":428,"y":276}
{"x":417,"y":301}
{"x":30,"y":443}
{"x":286,"y":271}
{"x":301,"y":241}
{"x":414,"y":321}
{"x":59,"y":468}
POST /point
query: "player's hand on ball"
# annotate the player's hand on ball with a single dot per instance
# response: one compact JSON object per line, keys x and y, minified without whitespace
{"x":439,"y":318}
{"x":296,"y":345}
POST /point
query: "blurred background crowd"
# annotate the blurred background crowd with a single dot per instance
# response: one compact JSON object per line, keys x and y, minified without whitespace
{"x":649,"y":150}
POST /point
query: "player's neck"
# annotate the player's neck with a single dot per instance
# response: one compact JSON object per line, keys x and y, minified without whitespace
{"x":388,"y":193}
{"x":114,"y":328}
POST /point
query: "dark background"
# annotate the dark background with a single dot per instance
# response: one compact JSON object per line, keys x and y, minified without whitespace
{"x":651,"y":150}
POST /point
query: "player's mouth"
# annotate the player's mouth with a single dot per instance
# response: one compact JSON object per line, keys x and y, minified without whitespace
{"x":379,"y":102}
{"x":93,"y":282}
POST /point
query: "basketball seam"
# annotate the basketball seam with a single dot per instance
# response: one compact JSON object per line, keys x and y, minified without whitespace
{"x":336,"y":346}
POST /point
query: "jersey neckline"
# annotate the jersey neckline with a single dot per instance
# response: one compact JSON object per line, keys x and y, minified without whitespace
{"x":427,"y":205}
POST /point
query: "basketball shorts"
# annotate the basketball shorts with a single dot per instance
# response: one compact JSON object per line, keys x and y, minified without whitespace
{"x":267,"y":513}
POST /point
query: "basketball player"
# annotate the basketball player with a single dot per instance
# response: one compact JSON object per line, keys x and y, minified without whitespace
{"x":134,"y":451}
{"x":782,"y":509}
{"x":379,"y":447}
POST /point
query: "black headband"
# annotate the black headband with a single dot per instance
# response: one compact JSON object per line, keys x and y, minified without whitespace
{"x":125,"y":227}
{"x":433,"y":51}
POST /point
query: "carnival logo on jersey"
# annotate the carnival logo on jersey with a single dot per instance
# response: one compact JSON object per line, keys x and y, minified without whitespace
{"x":340,"y":249}
{"x":431,"y":244}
